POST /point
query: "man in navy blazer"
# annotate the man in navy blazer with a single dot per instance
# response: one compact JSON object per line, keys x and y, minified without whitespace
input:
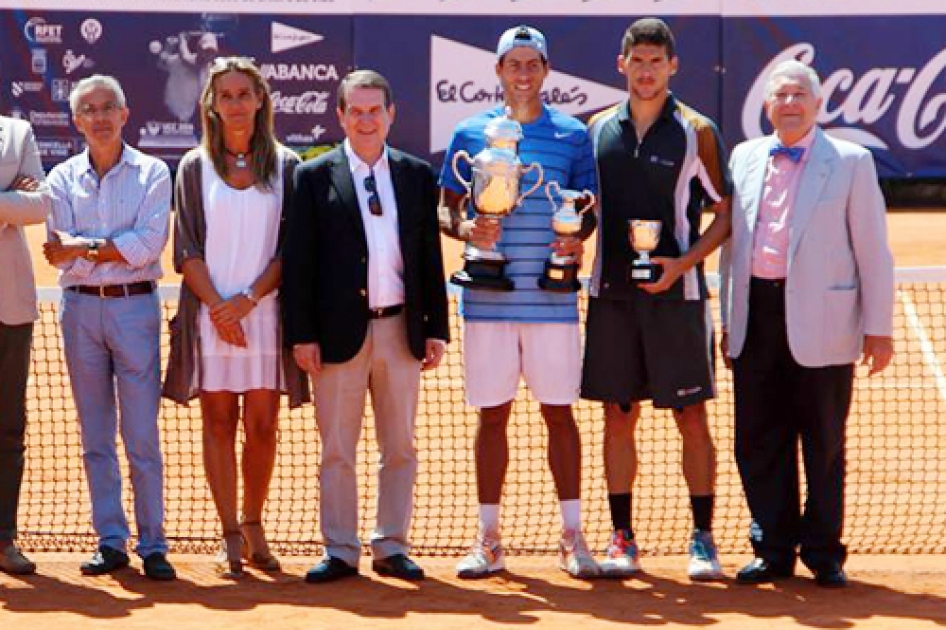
{"x":365,"y":310}
{"x":808,"y":287}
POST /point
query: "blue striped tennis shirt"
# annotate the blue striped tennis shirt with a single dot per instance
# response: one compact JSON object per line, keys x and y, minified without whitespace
{"x":560,"y":143}
{"x":130,"y":206}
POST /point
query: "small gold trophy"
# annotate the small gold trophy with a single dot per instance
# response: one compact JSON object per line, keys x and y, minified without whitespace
{"x":644,"y":236}
{"x":561,"y":272}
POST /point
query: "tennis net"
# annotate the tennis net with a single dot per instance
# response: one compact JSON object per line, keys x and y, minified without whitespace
{"x":896,"y":451}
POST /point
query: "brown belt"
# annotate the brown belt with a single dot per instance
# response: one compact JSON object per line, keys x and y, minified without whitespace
{"x":386,"y":311}
{"x":115,"y":290}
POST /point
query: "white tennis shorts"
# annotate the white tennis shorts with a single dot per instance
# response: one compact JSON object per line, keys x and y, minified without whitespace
{"x":496,"y":354}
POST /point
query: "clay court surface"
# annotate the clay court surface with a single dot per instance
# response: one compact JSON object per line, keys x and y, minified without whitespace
{"x":891,"y":591}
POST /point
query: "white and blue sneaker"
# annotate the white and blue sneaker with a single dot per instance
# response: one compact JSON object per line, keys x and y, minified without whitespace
{"x":704,"y":559}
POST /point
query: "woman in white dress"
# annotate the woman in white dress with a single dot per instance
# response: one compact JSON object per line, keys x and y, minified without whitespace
{"x":230,"y":199}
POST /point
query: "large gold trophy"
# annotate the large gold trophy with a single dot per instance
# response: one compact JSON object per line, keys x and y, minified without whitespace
{"x":494,"y":192}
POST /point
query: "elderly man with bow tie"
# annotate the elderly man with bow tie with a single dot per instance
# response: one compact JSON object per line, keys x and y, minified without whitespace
{"x":807,"y":289}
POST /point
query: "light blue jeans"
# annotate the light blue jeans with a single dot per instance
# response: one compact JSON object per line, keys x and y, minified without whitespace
{"x":112,"y":348}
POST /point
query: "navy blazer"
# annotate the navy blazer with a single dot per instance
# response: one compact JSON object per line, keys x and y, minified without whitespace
{"x":325,"y":257}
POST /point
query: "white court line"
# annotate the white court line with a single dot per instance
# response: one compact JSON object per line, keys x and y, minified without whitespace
{"x":926,"y":346}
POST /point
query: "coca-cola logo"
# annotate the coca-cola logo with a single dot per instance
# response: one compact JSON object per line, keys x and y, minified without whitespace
{"x":310,"y":102}
{"x":853,"y":103}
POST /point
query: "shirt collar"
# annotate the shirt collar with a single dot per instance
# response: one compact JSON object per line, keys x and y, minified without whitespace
{"x":355,"y":163}
{"x":805,"y":143}
{"x":129,"y":156}
{"x":670,"y":106}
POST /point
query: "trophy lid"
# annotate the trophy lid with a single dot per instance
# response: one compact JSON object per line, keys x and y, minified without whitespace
{"x":570,"y":196}
{"x":503,"y":131}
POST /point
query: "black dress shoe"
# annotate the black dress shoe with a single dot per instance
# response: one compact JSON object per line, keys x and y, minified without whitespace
{"x":329,"y":570}
{"x":760,"y":571}
{"x":399,"y":566}
{"x":105,"y":560}
{"x":158,"y":568}
{"x":831,"y":577}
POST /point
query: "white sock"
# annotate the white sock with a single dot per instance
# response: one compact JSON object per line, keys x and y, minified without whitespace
{"x":489,"y":518}
{"x":571,"y":515}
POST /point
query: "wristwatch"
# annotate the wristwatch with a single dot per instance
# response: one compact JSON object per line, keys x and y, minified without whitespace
{"x":248,"y":294}
{"x":92,"y":251}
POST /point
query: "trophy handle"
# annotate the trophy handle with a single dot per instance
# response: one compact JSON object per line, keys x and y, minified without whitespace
{"x":592,"y":200}
{"x":531,"y":167}
{"x":548,"y":192}
{"x":456,"y":170}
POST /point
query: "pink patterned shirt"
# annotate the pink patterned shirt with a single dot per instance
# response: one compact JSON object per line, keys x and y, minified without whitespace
{"x":770,"y":249}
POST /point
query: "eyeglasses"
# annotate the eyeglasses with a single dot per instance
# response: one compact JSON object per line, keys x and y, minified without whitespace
{"x":374,"y":201}
{"x":91,"y":111}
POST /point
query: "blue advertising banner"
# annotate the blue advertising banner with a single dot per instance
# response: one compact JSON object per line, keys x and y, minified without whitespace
{"x":882,"y":65}
{"x":161,"y":60}
{"x":884,"y":88}
{"x":444,"y":67}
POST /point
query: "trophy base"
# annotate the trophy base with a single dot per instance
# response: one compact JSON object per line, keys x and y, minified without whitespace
{"x":560,"y":278}
{"x":483,"y":274}
{"x":642,"y":274}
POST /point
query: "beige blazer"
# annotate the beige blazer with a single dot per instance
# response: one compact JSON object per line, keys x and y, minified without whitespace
{"x":19,"y":155}
{"x":840,"y":281}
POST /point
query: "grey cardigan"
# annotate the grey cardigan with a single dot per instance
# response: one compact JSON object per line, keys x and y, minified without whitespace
{"x":182,"y":379}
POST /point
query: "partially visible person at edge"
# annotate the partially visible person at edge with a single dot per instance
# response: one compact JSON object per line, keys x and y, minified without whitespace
{"x":658,"y":159}
{"x":366,"y":312}
{"x":108,"y":227}
{"x":24,"y":200}
{"x":527,"y":332}
{"x":808,"y":287}
{"x":231,"y":197}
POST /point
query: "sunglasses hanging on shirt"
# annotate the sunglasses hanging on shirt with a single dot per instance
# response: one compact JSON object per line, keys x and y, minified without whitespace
{"x":374,"y":201}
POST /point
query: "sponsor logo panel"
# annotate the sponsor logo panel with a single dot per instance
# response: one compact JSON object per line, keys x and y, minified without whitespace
{"x":50,"y":119}
{"x":91,"y":30}
{"x":58,"y":149}
{"x":463,"y":83}
{"x":299,"y":71}
{"x":38,"y":31}
{"x":910,"y":97}
{"x":284,"y":37}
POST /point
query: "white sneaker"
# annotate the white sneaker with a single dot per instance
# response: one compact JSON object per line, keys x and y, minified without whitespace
{"x":622,"y":558}
{"x":486,"y":557}
{"x":704,"y":559}
{"x":574,"y":557}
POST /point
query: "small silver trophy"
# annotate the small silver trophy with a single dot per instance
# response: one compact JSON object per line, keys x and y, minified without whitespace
{"x":494,"y":191}
{"x":644,"y":235}
{"x":561,"y":272}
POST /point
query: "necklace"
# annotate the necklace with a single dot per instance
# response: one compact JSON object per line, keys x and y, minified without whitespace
{"x":240,"y":158}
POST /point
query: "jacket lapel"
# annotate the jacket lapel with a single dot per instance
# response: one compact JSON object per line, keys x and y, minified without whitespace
{"x":400,"y":181}
{"x":755,"y":180}
{"x":3,"y":141}
{"x":812,"y":182}
{"x":345,"y":185}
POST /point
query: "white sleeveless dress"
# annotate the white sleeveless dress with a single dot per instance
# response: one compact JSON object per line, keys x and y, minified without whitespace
{"x":242,"y":235}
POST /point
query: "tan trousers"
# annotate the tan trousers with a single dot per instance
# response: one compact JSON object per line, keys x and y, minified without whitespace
{"x":385,"y":367}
